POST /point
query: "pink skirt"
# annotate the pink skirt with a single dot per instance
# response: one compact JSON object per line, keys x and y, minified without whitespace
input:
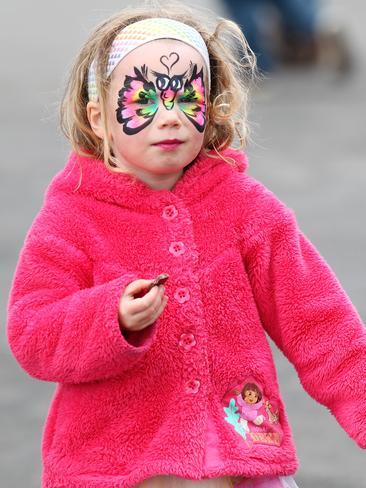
{"x":224,"y":482}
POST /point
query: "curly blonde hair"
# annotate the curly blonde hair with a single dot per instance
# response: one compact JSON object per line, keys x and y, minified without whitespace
{"x":231,"y":75}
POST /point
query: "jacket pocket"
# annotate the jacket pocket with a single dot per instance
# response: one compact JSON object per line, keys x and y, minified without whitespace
{"x":252,"y":414}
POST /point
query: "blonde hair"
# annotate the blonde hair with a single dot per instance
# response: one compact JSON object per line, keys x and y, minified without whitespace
{"x":230,"y":80}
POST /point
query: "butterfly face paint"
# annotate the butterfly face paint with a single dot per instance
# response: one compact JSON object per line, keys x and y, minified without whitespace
{"x":138,"y":99}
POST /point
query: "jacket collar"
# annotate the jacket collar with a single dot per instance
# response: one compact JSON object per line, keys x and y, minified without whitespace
{"x":88,"y":176}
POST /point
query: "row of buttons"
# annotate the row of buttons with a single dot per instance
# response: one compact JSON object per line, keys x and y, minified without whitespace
{"x":187,"y":341}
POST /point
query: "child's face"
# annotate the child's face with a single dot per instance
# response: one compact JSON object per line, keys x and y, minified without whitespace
{"x":251,"y":396}
{"x":158,"y":94}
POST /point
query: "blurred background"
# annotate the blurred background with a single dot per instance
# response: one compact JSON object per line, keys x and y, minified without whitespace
{"x":308,"y":137}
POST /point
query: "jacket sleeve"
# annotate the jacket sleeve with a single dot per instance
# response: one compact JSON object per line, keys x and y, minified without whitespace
{"x":306,"y":312}
{"x":60,"y":327}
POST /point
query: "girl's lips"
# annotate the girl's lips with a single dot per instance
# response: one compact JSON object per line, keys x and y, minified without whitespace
{"x":168,"y":145}
{"x":169,"y":141}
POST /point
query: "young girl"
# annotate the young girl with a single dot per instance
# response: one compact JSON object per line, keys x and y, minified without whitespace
{"x":173,"y":385}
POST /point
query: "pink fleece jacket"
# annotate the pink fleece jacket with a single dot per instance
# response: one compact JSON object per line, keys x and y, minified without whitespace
{"x":164,"y":401}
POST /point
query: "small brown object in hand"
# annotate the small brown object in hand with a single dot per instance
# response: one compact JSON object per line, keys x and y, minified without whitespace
{"x":159,"y":280}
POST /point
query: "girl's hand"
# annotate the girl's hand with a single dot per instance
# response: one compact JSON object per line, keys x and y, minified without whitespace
{"x":136,"y":313}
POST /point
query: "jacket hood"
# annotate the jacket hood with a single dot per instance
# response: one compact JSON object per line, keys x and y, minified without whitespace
{"x":90,"y":177}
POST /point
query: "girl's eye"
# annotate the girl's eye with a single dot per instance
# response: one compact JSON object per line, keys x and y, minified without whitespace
{"x":149,"y":101}
{"x":144,"y":99}
{"x":188,"y":98}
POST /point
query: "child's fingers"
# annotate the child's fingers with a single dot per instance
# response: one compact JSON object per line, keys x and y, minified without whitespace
{"x":146,"y":304}
{"x":150,"y":303}
{"x":136,"y":288}
{"x":159,"y":310}
{"x":149,"y":315}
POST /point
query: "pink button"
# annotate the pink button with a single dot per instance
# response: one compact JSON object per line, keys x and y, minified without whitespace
{"x":177,"y":248}
{"x":182,"y":295}
{"x":192,"y":386}
{"x":187,"y":341}
{"x":170,"y":212}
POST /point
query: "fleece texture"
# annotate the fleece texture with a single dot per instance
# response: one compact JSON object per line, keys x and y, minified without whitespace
{"x":164,"y":401}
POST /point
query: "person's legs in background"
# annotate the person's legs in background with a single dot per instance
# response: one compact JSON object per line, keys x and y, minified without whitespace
{"x":251,"y":16}
{"x":298,"y":15}
{"x":289,"y":23}
{"x":288,"y":32}
{"x":298,"y":27}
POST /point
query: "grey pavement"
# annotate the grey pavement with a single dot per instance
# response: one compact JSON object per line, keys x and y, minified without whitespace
{"x":308,"y":147}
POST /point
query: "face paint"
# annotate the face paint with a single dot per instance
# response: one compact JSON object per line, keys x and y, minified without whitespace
{"x":168,"y":88}
{"x":138,"y":99}
{"x":167,"y":85}
{"x":192,"y":101}
{"x":137,"y":102}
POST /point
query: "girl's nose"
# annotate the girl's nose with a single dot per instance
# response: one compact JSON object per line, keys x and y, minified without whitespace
{"x":168,"y":117}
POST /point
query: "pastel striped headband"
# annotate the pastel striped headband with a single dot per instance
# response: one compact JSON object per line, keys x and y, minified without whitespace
{"x":141,"y":32}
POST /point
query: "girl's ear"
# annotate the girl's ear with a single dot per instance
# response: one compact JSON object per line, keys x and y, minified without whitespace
{"x":95,"y":118}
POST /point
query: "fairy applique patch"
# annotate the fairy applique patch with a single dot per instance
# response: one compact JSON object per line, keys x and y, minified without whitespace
{"x":138,"y":99}
{"x":253,"y":416}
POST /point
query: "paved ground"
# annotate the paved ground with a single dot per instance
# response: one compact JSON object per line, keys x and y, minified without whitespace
{"x":309,"y":133}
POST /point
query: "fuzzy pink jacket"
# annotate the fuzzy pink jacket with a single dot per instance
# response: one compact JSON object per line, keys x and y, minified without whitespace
{"x":164,"y":401}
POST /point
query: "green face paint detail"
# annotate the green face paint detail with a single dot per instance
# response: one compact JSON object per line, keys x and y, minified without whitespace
{"x":189,"y":98}
{"x":150,"y":100}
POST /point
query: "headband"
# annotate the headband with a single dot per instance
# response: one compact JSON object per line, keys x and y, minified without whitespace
{"x":141,"y":32}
